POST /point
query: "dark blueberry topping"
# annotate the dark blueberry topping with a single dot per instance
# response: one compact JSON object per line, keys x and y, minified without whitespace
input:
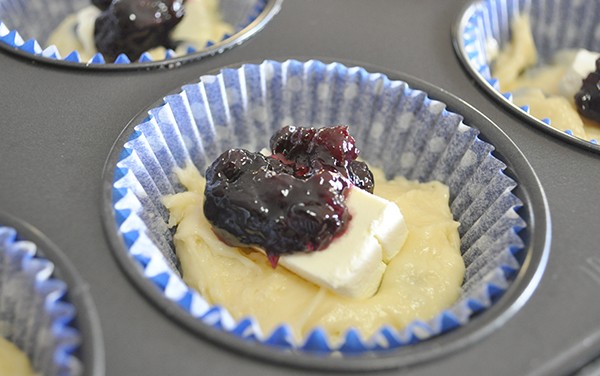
{"x":291,"y":201}
{"x":588,"y":97}
{"x":309,"y":149}
{"x":134,"y":26}
{"x":250,"y":202}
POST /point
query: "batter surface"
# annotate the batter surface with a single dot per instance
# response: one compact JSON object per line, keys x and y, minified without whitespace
{"x":422,"y":280}
{"x":13,"y":362}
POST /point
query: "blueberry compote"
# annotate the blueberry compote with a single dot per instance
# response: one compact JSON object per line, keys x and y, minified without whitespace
{"x":290,"y":201}
{"x":134,"y":26}
{"x":588,"y":97}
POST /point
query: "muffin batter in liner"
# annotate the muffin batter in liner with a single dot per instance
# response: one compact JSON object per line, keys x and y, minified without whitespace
{"x":485,"y":26}
{"x":25,"y":25}
{"x":397,"y":129}
{"x":34,"y":312}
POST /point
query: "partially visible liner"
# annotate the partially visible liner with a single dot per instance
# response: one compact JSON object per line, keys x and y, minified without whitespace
{"x":34,"y":312}
{"x":398,"y":129}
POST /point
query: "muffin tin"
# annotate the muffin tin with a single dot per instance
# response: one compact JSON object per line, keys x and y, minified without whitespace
{"x":58,"y":132}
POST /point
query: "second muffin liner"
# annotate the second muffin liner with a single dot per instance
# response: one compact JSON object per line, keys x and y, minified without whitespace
{"x":485,"y":26}
{"x":24,"y":25}
{"x":34,"y":312}
{"x":397,"y":129}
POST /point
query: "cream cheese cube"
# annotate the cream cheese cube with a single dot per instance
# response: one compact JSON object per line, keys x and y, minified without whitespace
{"x":354,"y":263}
{"x":580,"y":64}
{"x":86,"y":21}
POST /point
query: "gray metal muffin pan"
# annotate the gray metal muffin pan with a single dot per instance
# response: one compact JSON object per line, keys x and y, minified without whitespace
{"x":59,"y":124}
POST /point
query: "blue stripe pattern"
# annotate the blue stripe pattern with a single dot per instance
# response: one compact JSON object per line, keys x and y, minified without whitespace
{"x":35,"y":313}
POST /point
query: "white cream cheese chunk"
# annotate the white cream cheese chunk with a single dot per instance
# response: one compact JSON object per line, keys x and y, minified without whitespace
{"x":579,"y":64}
{"x":86,"y":22}
{"x":354,"y":263}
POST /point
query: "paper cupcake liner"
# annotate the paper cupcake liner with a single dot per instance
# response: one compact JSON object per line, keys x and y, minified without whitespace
{"x":25,"y":25}
{"x":34,"y":312}
{"x":485,"y":25}
{"x":397,"y":129}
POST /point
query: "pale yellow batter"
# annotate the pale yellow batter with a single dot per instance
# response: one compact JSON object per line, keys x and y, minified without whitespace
{"x":422,"y":280}
{"x":13,"y":362}
{"x":202,"y":23}
{"x":539,"y":87}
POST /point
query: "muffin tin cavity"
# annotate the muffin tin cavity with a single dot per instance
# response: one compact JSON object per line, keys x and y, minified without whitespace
{"x":25,"y":26}
{"x":484,"y":26}
{"x":45,"y":308}
{"x":402,"y":125}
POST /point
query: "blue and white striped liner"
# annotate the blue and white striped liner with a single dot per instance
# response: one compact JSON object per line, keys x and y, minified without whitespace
{"x":34,"y":313}
{"x":556,"y":25}
{"x":397,"y":128}
{"x":25,"y":25}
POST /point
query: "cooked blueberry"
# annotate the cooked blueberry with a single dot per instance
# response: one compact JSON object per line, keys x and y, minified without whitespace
{"x":134,"y":26}
{"x":361,"y":176}
{"x":588,"y":97}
